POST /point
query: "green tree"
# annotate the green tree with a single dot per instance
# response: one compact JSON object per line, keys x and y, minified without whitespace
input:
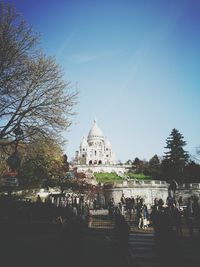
{"x":136,"y":161}
{"x":192,"y":172}
{"x":5,"y":152}
{"x":175,"y":158}
{"x":42,"y":161}
{"x":129,"y":162}
{"x":33,"y":92}
{"x":154,"y":168}
{"x":140,"y":165}
{"x":3,"y":165}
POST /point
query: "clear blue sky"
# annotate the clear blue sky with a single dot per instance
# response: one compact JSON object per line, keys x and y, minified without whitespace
{"x":136,"y":65}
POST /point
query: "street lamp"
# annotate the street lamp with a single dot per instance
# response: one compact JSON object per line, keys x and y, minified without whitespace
{"x":18,"y":132}
{"x":14,"y":160}
{"x":13,"y":163}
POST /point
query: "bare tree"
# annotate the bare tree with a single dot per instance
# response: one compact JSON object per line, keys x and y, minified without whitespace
{"x":33,"y":93}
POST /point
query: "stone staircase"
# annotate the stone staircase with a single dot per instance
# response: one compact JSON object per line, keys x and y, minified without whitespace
{"x":100,"y":220}
{"x":142,"y":250}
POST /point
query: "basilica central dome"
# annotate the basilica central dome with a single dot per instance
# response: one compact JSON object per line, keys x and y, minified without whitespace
{"x":95,"y":132}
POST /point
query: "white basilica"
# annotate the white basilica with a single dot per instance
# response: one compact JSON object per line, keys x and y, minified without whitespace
{"x":96,"y":150}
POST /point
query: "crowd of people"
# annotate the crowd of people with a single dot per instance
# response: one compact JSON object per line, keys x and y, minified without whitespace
{"x":131,"y":206}
{"x":172,"y":213}
{"x":70,"y":214}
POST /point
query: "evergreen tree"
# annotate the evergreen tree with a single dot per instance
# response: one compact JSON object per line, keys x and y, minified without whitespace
{"x":175,"y":158}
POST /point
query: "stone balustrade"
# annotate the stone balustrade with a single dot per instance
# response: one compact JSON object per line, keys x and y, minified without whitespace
{"x":143,"y":183}
{"x":120,"y":169}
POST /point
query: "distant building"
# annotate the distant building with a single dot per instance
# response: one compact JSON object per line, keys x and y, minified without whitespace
{"x":96,"y":150}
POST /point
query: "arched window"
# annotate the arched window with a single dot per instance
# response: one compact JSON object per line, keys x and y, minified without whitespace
{"x":100,"y":162}
{"x":90,"y":162}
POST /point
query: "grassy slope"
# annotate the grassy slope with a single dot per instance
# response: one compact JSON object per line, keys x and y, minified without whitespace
{"x":113,"y":177}
{"x":107,"y":177}
{"x":139,"y":176}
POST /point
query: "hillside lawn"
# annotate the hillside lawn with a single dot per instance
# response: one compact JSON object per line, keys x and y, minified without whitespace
{"x":102,"y":177}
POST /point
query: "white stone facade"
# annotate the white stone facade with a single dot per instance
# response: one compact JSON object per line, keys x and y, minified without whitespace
{"x":96,"y":150}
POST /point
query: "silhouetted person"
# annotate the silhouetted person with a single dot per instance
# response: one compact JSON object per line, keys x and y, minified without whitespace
{"x":189,"y":212}
{"x":163,"y":226}
{"x":111,"y":207}
{"x":196,"y":209}
{"x":176,"y":216}
{"x":38,"y":200}
{"x":122,"y":239}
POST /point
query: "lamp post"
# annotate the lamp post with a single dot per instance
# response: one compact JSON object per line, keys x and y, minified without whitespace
{"x":18,"y":132}
{"x":13,"y":162}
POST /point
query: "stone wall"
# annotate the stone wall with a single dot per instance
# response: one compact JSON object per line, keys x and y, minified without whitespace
{"x":188,"y":190}
{"x":148,"y":190}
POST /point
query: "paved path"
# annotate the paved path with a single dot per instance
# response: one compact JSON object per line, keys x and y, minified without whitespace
{"x":190,"y":251}
{"x":47,"y":247}
{"x":143,"y":252}
{"x":97,"y":249}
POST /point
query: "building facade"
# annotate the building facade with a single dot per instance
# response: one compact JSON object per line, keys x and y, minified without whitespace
{"x":96,"y":149}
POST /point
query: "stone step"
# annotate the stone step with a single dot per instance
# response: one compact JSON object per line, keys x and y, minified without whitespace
{"x":101,"y":222}
{"x":141,"y":244}
{"x":142,"y":235}
{"x":142,"y":250}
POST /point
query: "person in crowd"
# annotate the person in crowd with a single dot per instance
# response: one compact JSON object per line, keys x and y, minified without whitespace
{"x":128,"y":205}
{"x":111,"y":207}
{"x":177,"y":220}
{"x":180,"y":201}
{"x":170,"y":200}
{"x":133,"y":203}
{"x":165,"y":238}
{"x":122,"y":231}
{"x":95,"y":204}
{"x":189,"y":214}
{"x":196,"y":209}
{"x":59,"y":220}
{"x":140,"y":217}
{"x":38,"y":200}
{"x":143,"y":215}
{"x":123,"y":203}
{"x":123,"y":199}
